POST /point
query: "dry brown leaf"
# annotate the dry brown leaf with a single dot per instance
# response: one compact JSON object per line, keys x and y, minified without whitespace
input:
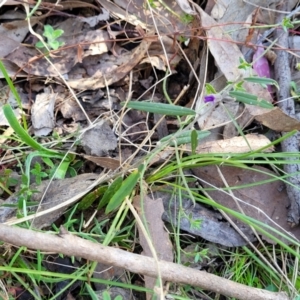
{"x":268,"y":200}
{"x":33,"y":62}
{"x":99,"y":140}
{"x":57,"y":192}
{"x":278,"y":120}
{"x":199,"y":220}
{"x":236,"y":12}
{"x":216,"y":116}
{"x":105,"y":162}
{"x":42,"y":113}
{"x":115,"y":74}
{"x":10,"y":46}
{"x":16,"y":29}
{"x":240,"y":144}
{"x":137,"y":13}
{"x":151,"y":211}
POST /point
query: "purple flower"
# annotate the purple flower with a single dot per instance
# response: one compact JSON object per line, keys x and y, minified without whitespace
{"x":209,"y":98}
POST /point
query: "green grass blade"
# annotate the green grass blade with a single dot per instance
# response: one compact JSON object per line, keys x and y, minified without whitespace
{"x":125,"y":189}
{"x":250,"y":99}
{"x":263,"y":81}
{"x":161,"y":108}
{"x":13,"y":90}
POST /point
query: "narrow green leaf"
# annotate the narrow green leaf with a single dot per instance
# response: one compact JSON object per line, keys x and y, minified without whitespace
{"x":194,"y":141}
{"x":184,"y":137}
{"x":22,"y":133}
{"x":13,"y":90}
{"x":91,"y":292}
{"x":62,"y":169}
{"x":160,"y":108}
{"x":263,"y":81}
{"x":250,"y":99}
{"x":112,"y":189}
{"x":89,"y":199}
{"x":125,"y":189}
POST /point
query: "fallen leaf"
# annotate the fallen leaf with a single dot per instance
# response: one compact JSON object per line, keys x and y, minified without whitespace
{"x":104,"y":162}
{"x":34,"y":63}
{"x":16,"y":29}
{"x":57,"y":192}
{"x":151,"y":209}
{"x":10,"y":46}
{"x":266,"y":202}
{"x":277,"y":120}
{"x":137,"y":13}
{"x":104,"y":78}
{"x":210,"y":224}
{"x":239,"y":144}
{"x":42,"y":113}
{"x":215,"y":116}
{"x":99,"y":139}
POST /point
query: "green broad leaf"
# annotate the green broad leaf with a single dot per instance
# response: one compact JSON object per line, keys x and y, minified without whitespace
{"x":91,"y":197}
{"x":184,"y":137}
{"x":112,"y":189}
{"x":209,"y":89}
{"x":39,"y":45}
{"x":250,"y":99}
{"x":54,"y":45}
{"x":125,"y":189}
{"x":263,"y":81}
{"x":48,"y":31}
{"x":161,"y":108}
{"x":57,"y":33}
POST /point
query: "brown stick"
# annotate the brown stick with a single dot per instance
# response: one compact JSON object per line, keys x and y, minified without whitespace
{"x":71,"y":245}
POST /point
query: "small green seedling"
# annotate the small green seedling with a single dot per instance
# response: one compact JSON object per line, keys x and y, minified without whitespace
{"x":52,"y":35}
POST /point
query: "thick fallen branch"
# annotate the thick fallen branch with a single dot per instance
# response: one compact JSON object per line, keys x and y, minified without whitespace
{"x":286,"y":103}
{"x":71,"y":245}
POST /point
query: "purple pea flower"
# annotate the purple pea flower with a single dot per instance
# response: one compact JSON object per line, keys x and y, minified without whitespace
{"x":209,"y":98}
